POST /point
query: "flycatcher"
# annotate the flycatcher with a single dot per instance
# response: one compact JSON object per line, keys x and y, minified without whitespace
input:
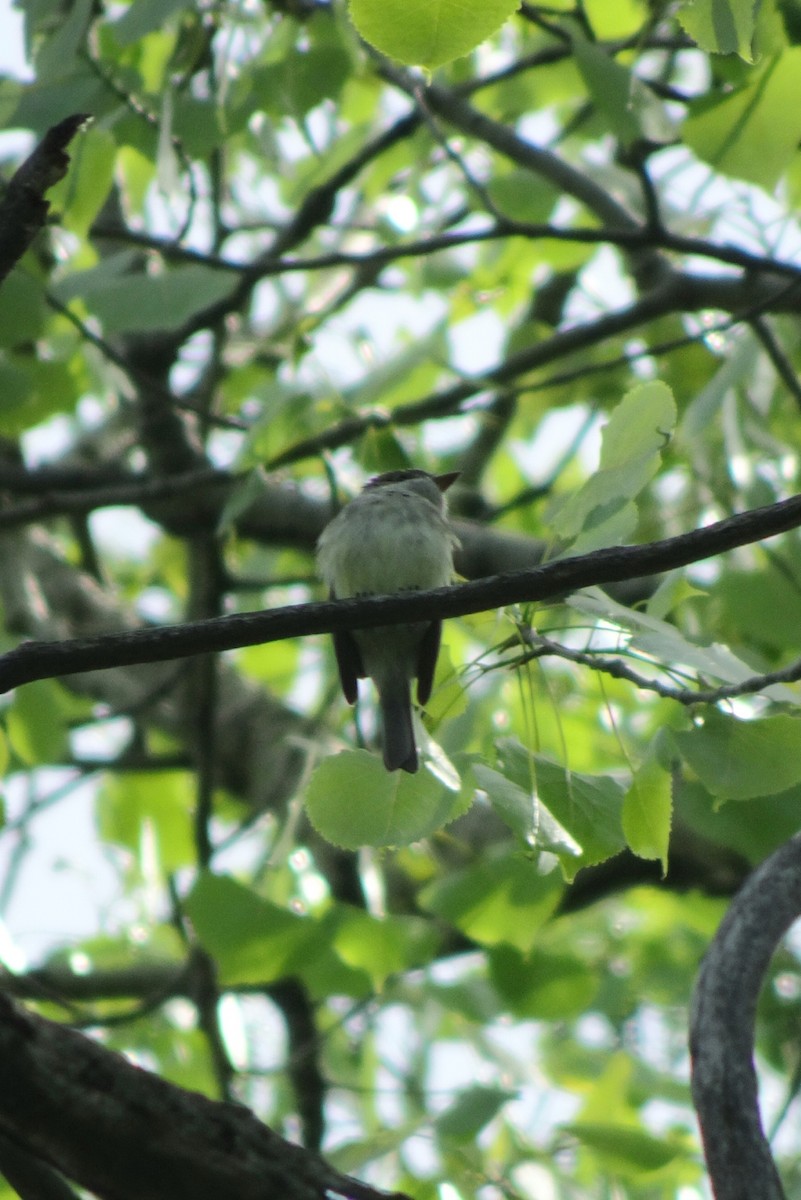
{"x":393,"y":537}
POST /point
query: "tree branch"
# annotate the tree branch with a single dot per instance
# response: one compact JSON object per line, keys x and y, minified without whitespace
{"x":638,"y":237}
{"x":44,"y":660}
{"x":542,"y":647}
{"x":557,"y":171}
{"x":24,"y":210}
{"x":128,"y":1135}
{"x":30,"y":1178}
{"x":129,"y":490}
{"x":722,"y":1028}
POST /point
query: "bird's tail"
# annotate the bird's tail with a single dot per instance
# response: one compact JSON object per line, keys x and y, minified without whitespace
{"x":396,"y":715}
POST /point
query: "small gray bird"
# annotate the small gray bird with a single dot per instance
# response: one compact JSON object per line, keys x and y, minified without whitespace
{"x":393,"y":537}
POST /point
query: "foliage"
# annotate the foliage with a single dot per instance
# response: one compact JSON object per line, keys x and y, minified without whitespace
{"x":562,"y":264}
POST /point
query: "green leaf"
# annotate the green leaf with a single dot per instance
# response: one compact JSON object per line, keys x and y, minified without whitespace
{"x":380,"y":946}
{"x":353,"y":801}
{"x":10,"y":92}
{"x":640,"y":427}
{"x":746,"y":595}
{"x":37,"y":723}
{"x":82,"y":192}
{"x":665,"y":643}
{"x":612,"y":20}
{"x":588,"y":807}
{"x":253,"y":940}
{"x":17,"y":411}
{"x":45,"y":100}
{"x":428,"y":32}
{"x":301,"y":81}
{"x":133,"y":302}
{"x":647,"y":811}
{"x":525,"y":814}
{"x":150,"y":813}
{"x":352,"y":1156}
{"x":737,"y":760}
{"x":707,"y":404}
{"x":521,"y":196}
{"x":721,"y":26}
{"x":471,"y":1111}
{"x":543,"y":986}
{"x":22,"y":310}
{"x":33,"y":389}
{"x":143,"y":17}
{"x":58,"y":52}
{"x":603,"y":512}
{"x":625,"y":1149}
{"x":752,"y":133}
{"x":754,"y":828}
{"x":505,"y":899}
{"x":613,"y":88}
{"x":249,"y":937}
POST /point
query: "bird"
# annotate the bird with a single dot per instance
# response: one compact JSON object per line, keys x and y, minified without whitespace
{"x":393,"y":537}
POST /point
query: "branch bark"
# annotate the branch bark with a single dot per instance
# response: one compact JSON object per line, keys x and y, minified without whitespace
{"x":31,"y":1178}
{"x":724,"y":1082}
{"x":128,"y":1135}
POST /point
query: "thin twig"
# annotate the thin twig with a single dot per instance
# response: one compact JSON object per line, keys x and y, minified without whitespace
{"x":542,"y":647}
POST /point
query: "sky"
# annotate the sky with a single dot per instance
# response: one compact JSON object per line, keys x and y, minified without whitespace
{"x":12,"y":57}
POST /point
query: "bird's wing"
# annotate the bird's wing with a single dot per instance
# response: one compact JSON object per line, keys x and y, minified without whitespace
{"x":427,"y":661}
{"x":349,"y":660}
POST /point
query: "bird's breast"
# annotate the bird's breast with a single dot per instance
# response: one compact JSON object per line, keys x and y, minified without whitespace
{"x":387,"y":543}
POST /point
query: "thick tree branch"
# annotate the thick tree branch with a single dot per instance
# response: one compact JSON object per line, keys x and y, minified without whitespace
{"x":31,"y":1178}
{"x":281,"y":514}
{"x":127,"y":1135}
{"x":44,"y":660}
{"x":23,"y":209}
{"x":85,"y":498}
{"x":722,"y":1028}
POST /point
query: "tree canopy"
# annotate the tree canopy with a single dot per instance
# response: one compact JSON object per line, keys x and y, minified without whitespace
{"x":251,"y":255}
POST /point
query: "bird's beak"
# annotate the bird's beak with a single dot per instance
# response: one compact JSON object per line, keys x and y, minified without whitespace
{"x":443,"y":482}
